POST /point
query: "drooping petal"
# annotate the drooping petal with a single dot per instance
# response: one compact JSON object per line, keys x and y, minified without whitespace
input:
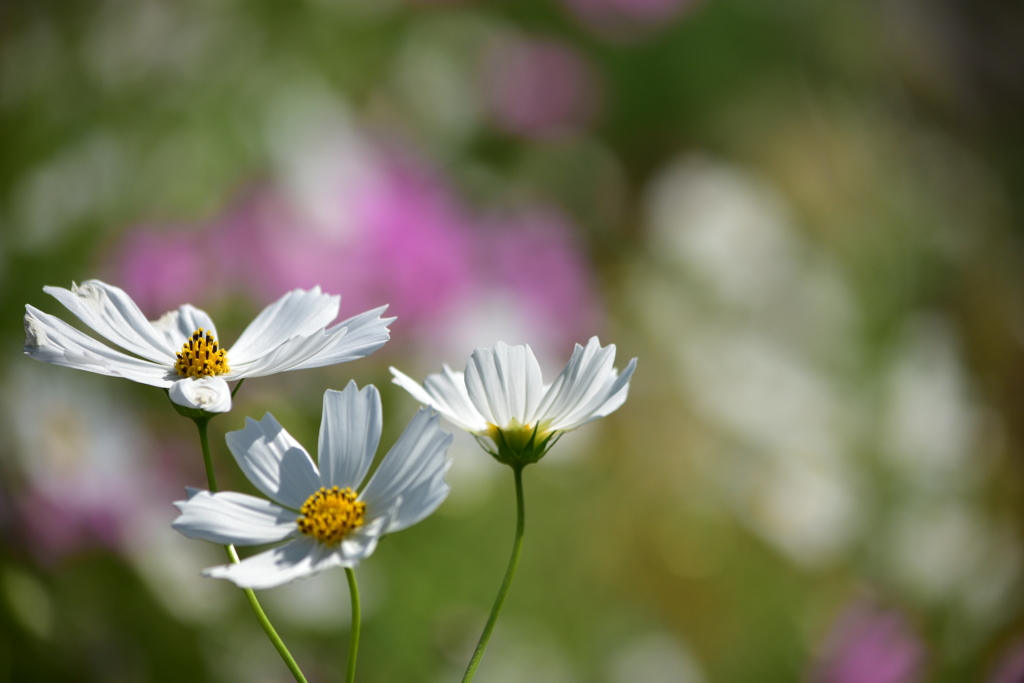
{"x":177,"y":326}
{"x":274,"y":461}
{"x":419,"y":455}
{"x":505,"y":383}
{"x":352,"y":339}
{"x":230,"y":517}
{"x":112,"y":314}
{"x":446,"y":393}
{"x":349,"y":434}
{"x":605,"y":401}
{"x":300,"y":558}
{"x":211,"y":394}
{"x":582,"y":378}
{"x":51,"y":340}
{"x":299,"y":313}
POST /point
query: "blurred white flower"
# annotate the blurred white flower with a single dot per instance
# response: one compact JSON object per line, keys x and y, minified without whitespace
{"x":331,"y":524}
{"x":182,"y":347}
{"x":501,"y":397}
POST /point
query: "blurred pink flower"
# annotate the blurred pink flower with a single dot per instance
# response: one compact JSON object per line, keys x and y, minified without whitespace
{"x":538,"y":88}
{"x":162,"y":268}
{"x":1010,"y":668}
{"x":869,"y":644}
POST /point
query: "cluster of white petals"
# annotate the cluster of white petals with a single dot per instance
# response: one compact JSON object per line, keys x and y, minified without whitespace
{"x":502,"y":397}
{"x":407,"y":486}
{"x":290,"y":334}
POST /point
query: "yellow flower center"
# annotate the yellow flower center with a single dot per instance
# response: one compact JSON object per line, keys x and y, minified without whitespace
{"x":328,"y":515}
{"x":201,"y":357}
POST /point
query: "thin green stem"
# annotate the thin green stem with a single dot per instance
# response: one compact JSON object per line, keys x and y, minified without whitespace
{"x":237,"y":387}
{"x":353,"y":647}
{"x":261,"y":616}
{"x":513,"y":562}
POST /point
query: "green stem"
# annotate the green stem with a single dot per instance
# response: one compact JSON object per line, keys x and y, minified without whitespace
{"x":507,"y":583}
{"x":353,"y":647}
{"x":261,"y":616}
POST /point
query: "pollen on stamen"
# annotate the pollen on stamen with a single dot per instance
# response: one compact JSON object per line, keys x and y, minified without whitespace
{"x":330,"y":514}
{"x":201,"y":356}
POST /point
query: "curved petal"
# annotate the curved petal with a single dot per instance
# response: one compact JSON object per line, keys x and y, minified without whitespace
{"x":419,"y":502}
{"x":301,"y":558}
{"x":361,"y":543}
{"x":112,"y":314}
{"x":505,"y":383}
{"x":211,"y":394}
{"x":177,"y":326}
{"x":446,"y":393}
{"x":286,"y":356}
{"x":230,"y":517}
{"x":419,"y":455}
{"x":274,"y":462}
{"x":607,"y":400}
{"x":352,"y":339}
{"x":51,"y":340}
{"x":298,"y":313}
{"x":349,"y":434}
{"x":583,"y":377}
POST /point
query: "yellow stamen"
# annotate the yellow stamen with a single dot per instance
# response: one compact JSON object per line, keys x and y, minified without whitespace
{"x":201,"y":356}
{"x":328,"y":515}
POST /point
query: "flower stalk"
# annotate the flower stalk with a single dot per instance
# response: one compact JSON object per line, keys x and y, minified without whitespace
{"x":202,"y":424}
{"x":353,"y":647}
{"x":506,"y":584}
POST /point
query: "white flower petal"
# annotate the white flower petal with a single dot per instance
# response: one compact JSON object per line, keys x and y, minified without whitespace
{"x":505,"y":383}
{"x":177,"y":326}
{"x":113,"y":315}
{"x":446,"y":393}
{"x":302,"y":557}
{"x":230,"y":517}
{"x":51,"y":340}
{"x":360,"y":543}
{"x":288,"y":355}
{"x":352,"y":339}
{"x":211,"y":394}
{"x":349,"y":434}
{"x":274,"y":461}
{"x":298,"y":313}
{"x":607,"y":400}
{"x":420,"y":454}
{"x":583,"y":377}
{"x":419,"y":501}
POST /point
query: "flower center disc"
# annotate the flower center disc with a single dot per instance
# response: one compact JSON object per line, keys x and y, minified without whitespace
{"x":201,"y":357}
{"x":328,"y":515}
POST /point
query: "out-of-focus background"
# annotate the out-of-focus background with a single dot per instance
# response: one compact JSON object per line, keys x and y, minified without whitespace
{"x":804,"y":218}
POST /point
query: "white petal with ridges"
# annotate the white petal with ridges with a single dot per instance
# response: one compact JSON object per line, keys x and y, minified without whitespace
{"x":274,"y":461}
{"x":177,"y":326}
{"x":420,"y":454}
{"x":298,"y":313}
{"x":112,"y":314}
{"x":300,"y":558}
{"x":446,"y":393}
{"x":51,"y":340}
{"x":230,"y":517}
{"x":352,"y":339}
{"x":349,"y":434}
{"x":505,"y":383}
{"x":211,"y":394}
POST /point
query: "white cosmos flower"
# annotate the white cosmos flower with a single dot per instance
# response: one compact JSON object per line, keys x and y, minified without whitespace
{"x":502,"y":399}
{"x":180,"y":351}
{"x":330,"y":524}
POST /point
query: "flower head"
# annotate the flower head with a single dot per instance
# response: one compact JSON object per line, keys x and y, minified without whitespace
{"x":181,"y":351}
{"x":501,"y":397}
{"x":332,"y":523}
